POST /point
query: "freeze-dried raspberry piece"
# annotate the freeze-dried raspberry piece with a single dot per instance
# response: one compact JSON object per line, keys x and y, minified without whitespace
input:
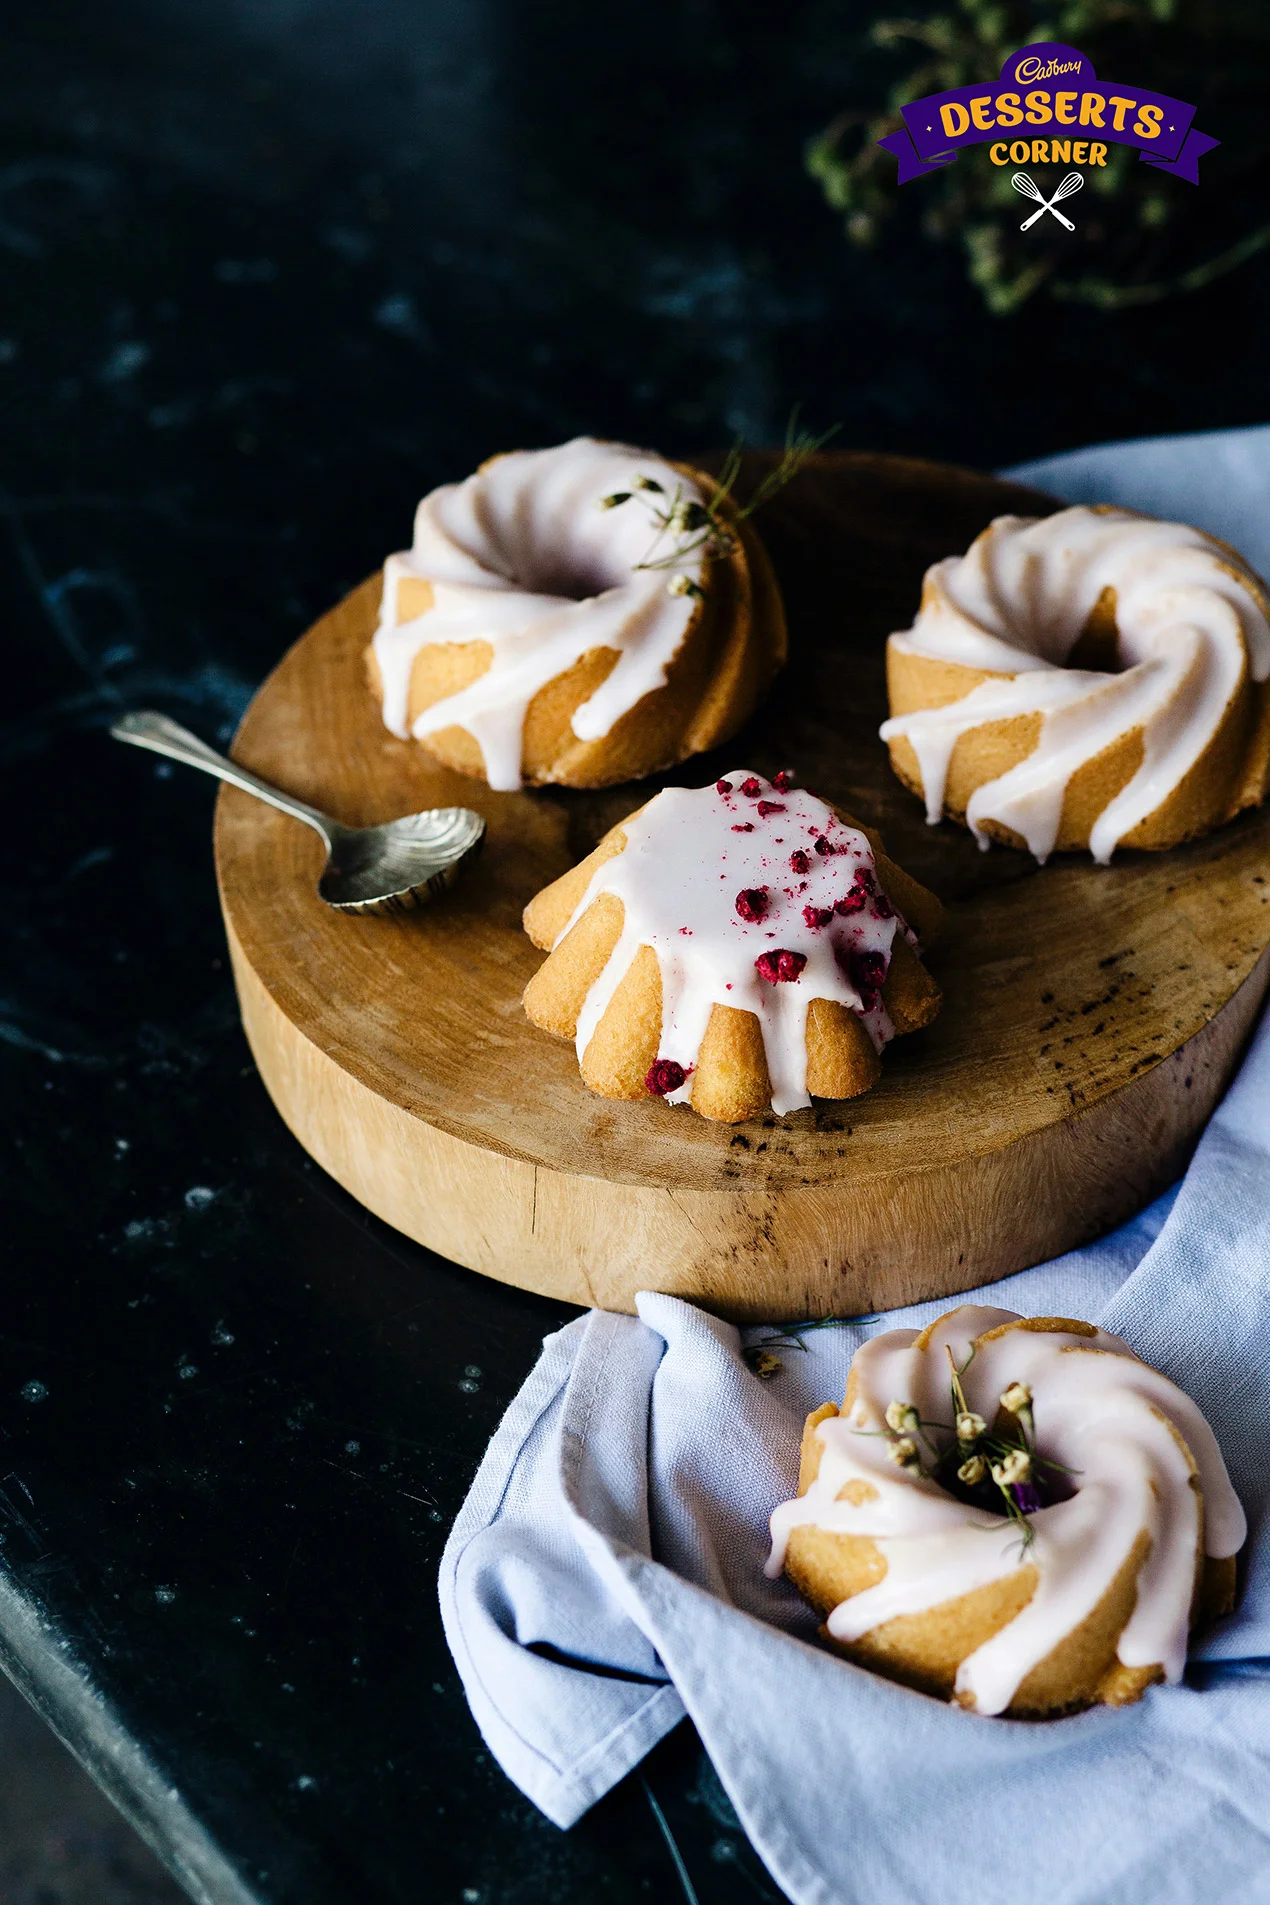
{"x":779,"y":967}
{"x":752,"y":904}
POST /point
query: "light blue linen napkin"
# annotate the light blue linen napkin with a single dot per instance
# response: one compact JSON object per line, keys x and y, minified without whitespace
{"x":1219,"y":480}
{"x":605,"y":1574}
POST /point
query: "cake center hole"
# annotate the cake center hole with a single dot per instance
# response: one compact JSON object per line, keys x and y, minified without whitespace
{"x":1097,"y":647}
{"x":572,"y":574}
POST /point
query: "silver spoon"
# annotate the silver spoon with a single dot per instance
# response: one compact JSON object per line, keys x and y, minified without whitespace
{"x":384,"y":869}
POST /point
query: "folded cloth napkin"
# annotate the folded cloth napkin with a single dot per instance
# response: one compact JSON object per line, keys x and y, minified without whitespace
{"x":605,"y":1574}
{"x":1217,"y":479}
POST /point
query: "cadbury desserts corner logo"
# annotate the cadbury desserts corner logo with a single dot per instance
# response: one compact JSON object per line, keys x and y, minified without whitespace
{"x":1048,"y":108}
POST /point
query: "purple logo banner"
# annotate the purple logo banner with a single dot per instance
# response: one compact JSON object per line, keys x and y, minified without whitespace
{"x":1049,"y":96}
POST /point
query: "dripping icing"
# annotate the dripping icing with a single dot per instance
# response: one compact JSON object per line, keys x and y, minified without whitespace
{"x":522,"y":557}
{"x":1190,"y":620}
{"x":1107,"y":1417}
{"x":678,"y":877}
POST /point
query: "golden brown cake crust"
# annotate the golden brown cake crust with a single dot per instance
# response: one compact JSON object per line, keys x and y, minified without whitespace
{"x":925,"y":1650}
{"x":734,"y":645}
{"x":1231,"y":772}
{"x":730,"y":1082}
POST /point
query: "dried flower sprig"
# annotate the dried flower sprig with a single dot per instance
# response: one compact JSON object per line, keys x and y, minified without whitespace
{"x":1013,"y":1468}
{"x":1000,"y":1471}
{"x":696,"y":525}
{"x":759,"y":1355}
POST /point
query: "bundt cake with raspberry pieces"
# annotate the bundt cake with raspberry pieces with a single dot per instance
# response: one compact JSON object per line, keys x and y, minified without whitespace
{"x":735,"y":948}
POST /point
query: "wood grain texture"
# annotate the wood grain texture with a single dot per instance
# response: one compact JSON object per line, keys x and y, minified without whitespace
{"x":1091,"y":1016}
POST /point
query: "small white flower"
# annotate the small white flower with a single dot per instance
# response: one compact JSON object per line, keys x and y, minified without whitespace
{"x":973,"y":1471}
{"x":1017,"y":1467}
{"x":1017,"y":1398}
{"x":904,"y":1452}
{"x":970,"y":1426}
{"x":646,"y":482}
{"x":682,"y":585}
{"x":613,"y":501}
{"x":901,"y":1416}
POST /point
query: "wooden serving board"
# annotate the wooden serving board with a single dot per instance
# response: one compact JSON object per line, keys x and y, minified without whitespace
{"x":1091,"y":1017}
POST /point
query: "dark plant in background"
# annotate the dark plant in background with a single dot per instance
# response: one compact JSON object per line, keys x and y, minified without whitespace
{"x":1145,"y":236}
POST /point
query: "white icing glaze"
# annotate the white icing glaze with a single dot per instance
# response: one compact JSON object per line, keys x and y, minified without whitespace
{"x":688,"y":855}
{"x":1097,"y":1410}
{"x":1189,"y":619}
{"x":521,"y":556}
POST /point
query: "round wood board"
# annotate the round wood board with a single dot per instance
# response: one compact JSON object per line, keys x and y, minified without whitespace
{"x":1091,"y":1015}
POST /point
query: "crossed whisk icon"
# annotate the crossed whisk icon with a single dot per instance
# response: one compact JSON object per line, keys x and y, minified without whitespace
{"x":1030,"y":189}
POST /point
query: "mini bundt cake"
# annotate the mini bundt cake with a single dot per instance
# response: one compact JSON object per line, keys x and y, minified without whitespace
{"x":1012,"y":1513}
{"x":1091,"y":679}
{"x":733,"y":947}
{"x":581,"y":615}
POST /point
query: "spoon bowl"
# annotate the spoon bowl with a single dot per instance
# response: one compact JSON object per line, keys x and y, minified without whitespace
{"x":402,"y":864}
{"x":386,"y":869}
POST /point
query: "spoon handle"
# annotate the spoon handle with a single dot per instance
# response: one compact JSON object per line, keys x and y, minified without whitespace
{"x":147,"y":728}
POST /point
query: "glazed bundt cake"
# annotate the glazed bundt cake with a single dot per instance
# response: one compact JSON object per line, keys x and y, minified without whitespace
{"x":1013,"y":1513}
{"x":1091,"y":679}
{"x":733,"y":947}
{"x":582,"y":615}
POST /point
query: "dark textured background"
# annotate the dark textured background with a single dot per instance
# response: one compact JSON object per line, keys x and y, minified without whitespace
{"x":269,"y":269}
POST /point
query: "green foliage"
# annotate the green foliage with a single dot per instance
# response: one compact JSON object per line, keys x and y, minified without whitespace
{"x":1143,"y":236}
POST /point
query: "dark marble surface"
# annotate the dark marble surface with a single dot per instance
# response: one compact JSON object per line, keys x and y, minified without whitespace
{"x":238,"y":1416}
{"x":270,"y":269}
{"x":61,"y":1840}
